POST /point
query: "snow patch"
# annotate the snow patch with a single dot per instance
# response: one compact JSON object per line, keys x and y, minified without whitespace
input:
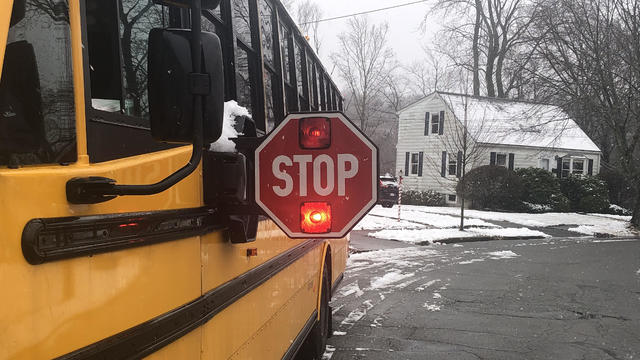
{"x":357,"y":314}
{"x":388,"y":279}
{"x":506,"y":254}
{"x":429,"y":283}
{"x":431,"y":307}
{"x":432,"y":235}
{"x":328,"y":352}
{"x":352,"y":288}
{"x":470,"y":261}
{"x":231,"y":111}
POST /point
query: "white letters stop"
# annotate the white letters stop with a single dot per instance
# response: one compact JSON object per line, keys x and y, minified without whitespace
{"x":282,"y":162}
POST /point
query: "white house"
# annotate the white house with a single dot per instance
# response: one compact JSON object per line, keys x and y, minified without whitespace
{"x":514,"y":134}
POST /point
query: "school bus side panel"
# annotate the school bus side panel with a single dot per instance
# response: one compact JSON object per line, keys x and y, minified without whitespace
{"x":54,"y":308}
{"x":263,"y":323}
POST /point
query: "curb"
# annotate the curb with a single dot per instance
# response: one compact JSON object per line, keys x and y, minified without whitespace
{"x":481,"y":238}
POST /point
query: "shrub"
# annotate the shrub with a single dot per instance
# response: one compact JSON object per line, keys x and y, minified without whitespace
{"x":493,"y":187}
{"x":428,"y":198}
{"x":587,"y":194}
{"x":541,"y":190}
{"x":621,"y":191}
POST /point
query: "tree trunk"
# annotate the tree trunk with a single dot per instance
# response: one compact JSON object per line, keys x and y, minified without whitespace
{"x":476,"y":50}
{"x":635,"y":218}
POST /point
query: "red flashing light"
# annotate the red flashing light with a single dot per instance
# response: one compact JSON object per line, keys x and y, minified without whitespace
{"x":315,"y":217}
{"x":315,"y":133}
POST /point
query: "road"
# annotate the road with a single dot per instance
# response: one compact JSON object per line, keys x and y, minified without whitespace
{"x":539,"y":299}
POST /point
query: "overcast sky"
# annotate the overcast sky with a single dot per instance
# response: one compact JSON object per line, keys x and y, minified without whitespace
{"x":404,"y":36}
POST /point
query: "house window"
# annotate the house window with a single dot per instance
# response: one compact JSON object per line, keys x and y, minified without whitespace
{"x":435,"y":124}
{"x":414,"y":163}
{"x":453,"y":166}
{"x":578,"y":167}
{"x":452,"y":198}
{"x":544,"y":164}
{"x":501,"y":160}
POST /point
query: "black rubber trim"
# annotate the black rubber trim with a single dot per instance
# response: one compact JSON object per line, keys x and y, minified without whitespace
{"x":50,"y":239}
{"x":336,"y":284}
{"x":302,"y":336}
{"x":150,"y":336}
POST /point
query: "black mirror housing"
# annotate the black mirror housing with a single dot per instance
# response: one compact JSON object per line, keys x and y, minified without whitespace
{"x":17,"y":14}
{"x":172,"y":86}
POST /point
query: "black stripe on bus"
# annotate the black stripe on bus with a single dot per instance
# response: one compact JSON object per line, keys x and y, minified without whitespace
{"x":50,"y":239}
{"x":150,"y":336}
{"x":299,"y":340}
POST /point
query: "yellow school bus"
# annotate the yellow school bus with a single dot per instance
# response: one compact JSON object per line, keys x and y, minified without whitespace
{"x":167,"y":273}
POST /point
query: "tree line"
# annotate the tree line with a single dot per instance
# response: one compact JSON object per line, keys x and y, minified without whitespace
{"x":582,"y":55}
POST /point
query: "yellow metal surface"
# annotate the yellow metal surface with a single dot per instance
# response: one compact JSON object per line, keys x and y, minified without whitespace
{"x":51,"y":309}
{"x":78,"y":80}
{"x":263,"y":323}
{"x":5,"y":18}
{"x":58,"y":307}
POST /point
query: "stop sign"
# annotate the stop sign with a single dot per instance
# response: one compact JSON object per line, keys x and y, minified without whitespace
{"x":316,"y":175}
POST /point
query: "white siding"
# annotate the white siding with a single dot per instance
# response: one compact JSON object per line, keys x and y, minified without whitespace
{"x":411,"y":139}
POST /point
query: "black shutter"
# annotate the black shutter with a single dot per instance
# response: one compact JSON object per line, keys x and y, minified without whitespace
{"x":590,"y":167}
{"x":459,"y":165}
{"x":441,"y":127}
{"x":426,"y":123}
{"x":443,"y":170}
{"x":559,"y":167}
{"x":406,"y":164}
{"x":492,"y":158}
{"x":420,"y":156}
{"x":511,"y":160}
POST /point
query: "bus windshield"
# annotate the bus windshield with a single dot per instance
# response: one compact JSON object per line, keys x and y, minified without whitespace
{"x":37,"y":123}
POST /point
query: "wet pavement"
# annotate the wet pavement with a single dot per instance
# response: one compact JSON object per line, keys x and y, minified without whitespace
{"x":529,"y":299}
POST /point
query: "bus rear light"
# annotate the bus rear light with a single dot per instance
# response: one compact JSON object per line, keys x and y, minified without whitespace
{"x":315,"y":133}
{"x":315,"y":217}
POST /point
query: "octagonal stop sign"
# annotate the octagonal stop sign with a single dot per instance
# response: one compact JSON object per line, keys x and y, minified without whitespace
{"x":316,"y":175}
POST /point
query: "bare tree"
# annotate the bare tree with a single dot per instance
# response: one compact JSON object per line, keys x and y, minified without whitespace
{"x":591,"y":54}
{"x":364,"y":61}
{"x":430,"y":74}
{"x":308,"y":14}
{"x":494,"y":35}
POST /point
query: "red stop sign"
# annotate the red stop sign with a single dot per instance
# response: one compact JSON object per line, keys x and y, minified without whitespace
{"x":316,"y":175}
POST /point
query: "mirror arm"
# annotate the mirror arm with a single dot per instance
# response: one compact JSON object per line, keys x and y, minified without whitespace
{"x":92,"y":190}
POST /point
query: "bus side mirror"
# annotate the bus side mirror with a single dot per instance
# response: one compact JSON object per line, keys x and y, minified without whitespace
{"x":173,"y":84}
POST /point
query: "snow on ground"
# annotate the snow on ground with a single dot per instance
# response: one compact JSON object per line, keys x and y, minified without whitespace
{"x":429,"y":223}
{"x":506,"y":254}
{"x":389,"y":279}
{"x":431,"y":235}
{"x":416,"y":215}
{"x":371,"y":222}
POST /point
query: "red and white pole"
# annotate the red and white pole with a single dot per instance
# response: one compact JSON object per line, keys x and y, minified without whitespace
{"x":399,"y":195}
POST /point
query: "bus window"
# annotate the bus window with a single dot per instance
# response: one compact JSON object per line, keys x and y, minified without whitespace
{"x":241,"y":21}
{"x":243,"y":78}
{"x":37,"y":117}
{"x":118,"y":56}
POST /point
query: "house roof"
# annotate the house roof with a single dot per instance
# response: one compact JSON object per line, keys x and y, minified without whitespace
{"x":519,"y":123}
